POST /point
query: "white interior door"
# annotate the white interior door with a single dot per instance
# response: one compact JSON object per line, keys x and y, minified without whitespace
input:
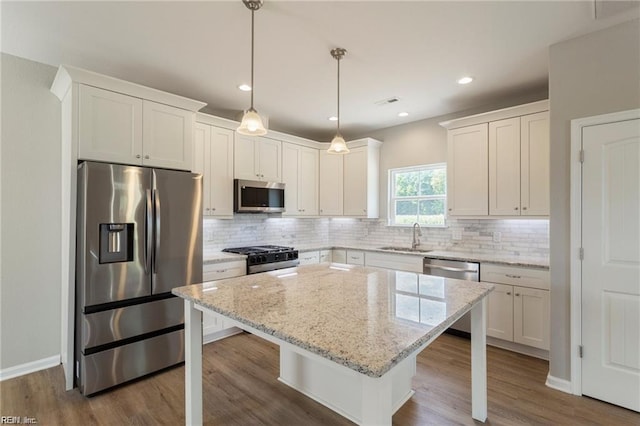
{"x":611,"y":265}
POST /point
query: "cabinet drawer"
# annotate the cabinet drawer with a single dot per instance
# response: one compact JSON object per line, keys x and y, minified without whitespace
{"x":355,"y":257}
{"x":513,"y":275}
{"x":218,"y":271}
{"x":395,"y":261}
{"x":309,"y":257}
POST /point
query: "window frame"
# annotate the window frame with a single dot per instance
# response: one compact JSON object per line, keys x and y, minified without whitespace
{"x":392,"y":198}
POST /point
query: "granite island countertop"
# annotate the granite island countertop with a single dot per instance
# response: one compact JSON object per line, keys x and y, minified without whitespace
{"x":367,"y":319}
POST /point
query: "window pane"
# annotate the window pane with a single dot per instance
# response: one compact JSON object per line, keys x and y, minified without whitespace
{"x":432,"y":182}
{"x":431,"y":212}
{"x":406,"y":212}
{"x":408,"y":307}
{"x":407,"y":184}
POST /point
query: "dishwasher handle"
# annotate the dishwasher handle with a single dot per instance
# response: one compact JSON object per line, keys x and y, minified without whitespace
{"x":449,"y":268}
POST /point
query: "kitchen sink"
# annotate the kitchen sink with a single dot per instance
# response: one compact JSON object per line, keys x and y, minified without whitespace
{"x":414,"y":250}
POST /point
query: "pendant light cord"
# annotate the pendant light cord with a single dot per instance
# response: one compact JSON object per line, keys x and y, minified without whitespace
{"x":338,"y":96}
{"x":252,"y":38}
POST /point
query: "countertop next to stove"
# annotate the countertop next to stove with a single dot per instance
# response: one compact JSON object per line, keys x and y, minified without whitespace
{"x":210,"y":257}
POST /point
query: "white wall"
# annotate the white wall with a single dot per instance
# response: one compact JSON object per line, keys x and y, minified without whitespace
{"x":590,"y":75}
{"x":30,"y":219}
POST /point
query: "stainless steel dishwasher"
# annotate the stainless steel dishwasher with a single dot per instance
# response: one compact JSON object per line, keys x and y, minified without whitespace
{"x":469,"y":271}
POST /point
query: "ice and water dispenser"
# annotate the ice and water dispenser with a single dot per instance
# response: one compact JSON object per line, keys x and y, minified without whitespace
{"x":116,"y":242}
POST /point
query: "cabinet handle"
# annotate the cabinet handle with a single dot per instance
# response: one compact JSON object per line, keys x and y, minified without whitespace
{"x":364,"y":210}
{"x":508,"y":293}
{"x":524,"y":208}
{"x":146,"y":157}
{"x":257,"y":175}
{"x":513,"y":276}
{"x":517,"y":294}
{"x":213,"y":209}
{"x":138,"y":155}
{"x":220,"y":271}
{"x":515,"y":208}
{"x":207,"y":209}
{"x":450,"y":209}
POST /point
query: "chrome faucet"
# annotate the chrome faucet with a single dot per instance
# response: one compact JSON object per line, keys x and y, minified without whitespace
{"x":416,"y":240}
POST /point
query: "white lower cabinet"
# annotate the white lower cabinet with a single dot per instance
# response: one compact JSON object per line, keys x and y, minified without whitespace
{"x":339,"y":255}
{"x":309,"y":258}
{"x":355,"y":257}
{"x":214,"y":328}
{"x":325,"y":256}
{"x":518,"y":313}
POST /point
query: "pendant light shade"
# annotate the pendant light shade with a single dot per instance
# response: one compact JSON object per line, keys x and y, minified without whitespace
{"x":338,"y":145}
{"x":251,"y":122}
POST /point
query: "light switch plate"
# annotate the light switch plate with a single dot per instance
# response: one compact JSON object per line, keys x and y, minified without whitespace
{"x":497,"y":236}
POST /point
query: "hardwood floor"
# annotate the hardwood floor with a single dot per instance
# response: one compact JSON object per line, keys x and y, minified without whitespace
{"x":240,"y":388}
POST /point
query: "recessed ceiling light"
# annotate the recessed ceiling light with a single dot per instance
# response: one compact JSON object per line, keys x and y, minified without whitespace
{"x":333,"y":118}
{"x":403,"y":114}
{"x":245,"y":87}
{"x":465,"y":80}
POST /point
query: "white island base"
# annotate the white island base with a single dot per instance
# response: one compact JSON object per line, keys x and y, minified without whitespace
{"x":362,"y":399}
{"x":365,"y":400}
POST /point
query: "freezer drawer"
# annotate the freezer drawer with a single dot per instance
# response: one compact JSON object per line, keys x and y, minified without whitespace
{"x":105,"y":369}
{"x":122,"y":323}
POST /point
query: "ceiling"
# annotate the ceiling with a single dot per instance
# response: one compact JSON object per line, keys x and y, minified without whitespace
{"x":414,"y":51}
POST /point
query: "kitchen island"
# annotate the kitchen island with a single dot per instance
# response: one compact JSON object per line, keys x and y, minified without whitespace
{"x":348,"y":335}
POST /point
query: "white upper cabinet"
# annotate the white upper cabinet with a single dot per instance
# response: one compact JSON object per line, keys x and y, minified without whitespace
{"x":498,"y":162}
{"x":167,"y":136}
{"x":467,"y":171}
{"x":534,"y":151}
{"x":361,"y":180}
{"x":109,"y":126}
{"x":213,"y":157}
{"x":257,"y":158}
{"x":331,"y":184}
{"x":519,"y":166}
{"x":300,"y":175}
{"x":118,"y":128}
{"x":504,"y":167}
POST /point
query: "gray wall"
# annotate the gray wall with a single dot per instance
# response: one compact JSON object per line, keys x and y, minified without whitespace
{"x":30,"y":218}
{"x":590,"y":75}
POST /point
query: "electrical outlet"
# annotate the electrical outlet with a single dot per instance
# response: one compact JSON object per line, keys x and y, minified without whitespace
{"x":457,"y":235}
{"x":497,"y":236}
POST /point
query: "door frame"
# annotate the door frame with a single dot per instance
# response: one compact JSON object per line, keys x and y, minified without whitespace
{"x":575,"y":263}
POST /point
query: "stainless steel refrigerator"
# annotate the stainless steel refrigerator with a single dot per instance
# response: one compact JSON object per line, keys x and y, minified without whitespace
{"x":139,"y":234}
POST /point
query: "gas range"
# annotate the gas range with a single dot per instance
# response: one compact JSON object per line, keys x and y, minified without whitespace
{"x":267,"y":257}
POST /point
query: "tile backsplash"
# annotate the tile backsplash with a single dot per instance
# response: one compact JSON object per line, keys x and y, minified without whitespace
{"x":517,"y":237}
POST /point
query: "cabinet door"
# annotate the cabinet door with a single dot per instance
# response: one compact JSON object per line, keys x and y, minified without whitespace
{"x":534,"y":146}
{"x":339,"y":255}
{"x":290,"y":173}
{"x":330,"y":187}
{"x":325,"y":256}
{"x":531,"y":317}
{"x":504,"y":167}
{"x":500,"y":312}
{"x":202,"y":162}
{"x":308,"y":181}
{"x":109,"y":126}
{"x":221,"y":172}
{"x":355,"y":257}
{"x":167,"y":137}
{"x":355,"y":182}
{"x":468,"y":171}
{"x":268,"y":159}
{"x":244,"y":156}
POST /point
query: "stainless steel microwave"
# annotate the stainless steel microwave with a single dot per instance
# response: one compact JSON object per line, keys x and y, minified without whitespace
{"x":252,"y":196}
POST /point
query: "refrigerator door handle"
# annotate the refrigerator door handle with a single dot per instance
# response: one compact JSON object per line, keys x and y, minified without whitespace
{"x":157,"y":227}
{"x":148,"y":232}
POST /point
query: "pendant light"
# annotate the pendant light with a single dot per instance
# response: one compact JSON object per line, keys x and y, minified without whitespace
{"x":338,"y":145}
{"x":251,"y":122}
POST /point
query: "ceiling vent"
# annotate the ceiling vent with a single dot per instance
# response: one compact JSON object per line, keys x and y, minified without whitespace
{"x":387,"y":101}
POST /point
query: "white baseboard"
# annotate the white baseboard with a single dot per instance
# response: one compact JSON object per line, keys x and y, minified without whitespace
{"x":558,"y":384}
{"x":29,"y":367}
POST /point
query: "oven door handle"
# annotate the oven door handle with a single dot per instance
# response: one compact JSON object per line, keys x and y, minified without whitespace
{"x":449,"y":268}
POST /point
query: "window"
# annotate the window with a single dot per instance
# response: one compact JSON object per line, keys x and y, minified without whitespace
{"x":418,"y":194}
